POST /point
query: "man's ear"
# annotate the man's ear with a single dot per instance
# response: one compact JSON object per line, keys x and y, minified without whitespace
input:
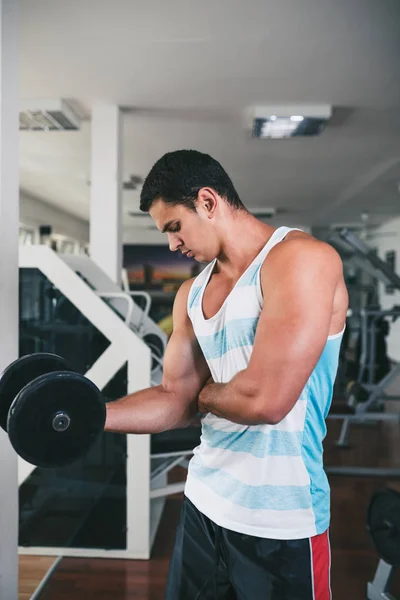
{"x":208,"y":199}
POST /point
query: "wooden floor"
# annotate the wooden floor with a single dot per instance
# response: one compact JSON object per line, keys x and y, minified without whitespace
{"x":32,"y":570}
{"x":353,"y":557}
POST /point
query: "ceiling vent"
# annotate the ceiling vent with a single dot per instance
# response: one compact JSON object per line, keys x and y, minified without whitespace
{"x":47,"y":115}
{"x":284,"y":121}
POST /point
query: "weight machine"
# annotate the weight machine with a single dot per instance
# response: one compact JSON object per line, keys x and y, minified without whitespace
{"x":376,"y":377}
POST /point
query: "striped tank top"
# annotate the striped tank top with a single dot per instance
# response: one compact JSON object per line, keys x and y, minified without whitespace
{"x":264,"y":480}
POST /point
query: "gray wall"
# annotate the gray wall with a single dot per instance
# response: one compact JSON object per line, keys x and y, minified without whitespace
{"x":35,"y":212}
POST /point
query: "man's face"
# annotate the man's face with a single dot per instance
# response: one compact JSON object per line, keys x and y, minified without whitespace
{"x":188,"y":231}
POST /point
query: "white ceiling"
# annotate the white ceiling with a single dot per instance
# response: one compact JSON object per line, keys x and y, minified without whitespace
{"x":185,"y":71}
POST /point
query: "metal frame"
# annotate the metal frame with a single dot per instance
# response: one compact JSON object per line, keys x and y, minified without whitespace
{"x":368,"y":342}
{"x":36,"y":594}
{"x":169,"y":460}
{"x":391,"y":472}
{"x":382,"y":270}
{"x":366,"y":418}
{"x":366,"y":411}
{"x":127,"y":296}
{"x":125,"y":347}
{"x":378,"y":589}
{"x":121,"y":301}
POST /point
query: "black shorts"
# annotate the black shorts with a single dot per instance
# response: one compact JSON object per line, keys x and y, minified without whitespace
{"x":210,"y":562}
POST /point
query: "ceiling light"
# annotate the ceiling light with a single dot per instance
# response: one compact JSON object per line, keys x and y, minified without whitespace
{"x":47,"y":115}
{"x":269,"y":122}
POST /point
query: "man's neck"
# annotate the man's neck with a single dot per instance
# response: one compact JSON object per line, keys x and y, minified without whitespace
{"x":243,"y":239}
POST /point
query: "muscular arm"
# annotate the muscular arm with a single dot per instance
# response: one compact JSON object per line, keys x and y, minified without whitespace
{"x":299,"y":280}
{"x":173,"y":403}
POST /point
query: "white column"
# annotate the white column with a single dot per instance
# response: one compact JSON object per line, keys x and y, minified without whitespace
{"x":138,"y":507}
{"x":106,"y":190}
{"x":9,"y":225}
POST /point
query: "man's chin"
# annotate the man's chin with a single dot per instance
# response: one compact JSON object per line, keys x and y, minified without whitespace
{"x":200,"y":258}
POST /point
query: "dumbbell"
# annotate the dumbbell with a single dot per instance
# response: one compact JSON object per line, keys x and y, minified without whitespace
{"x":52,"y":415}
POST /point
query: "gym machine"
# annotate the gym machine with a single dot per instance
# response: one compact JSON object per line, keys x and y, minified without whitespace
{"x":376,"y":378}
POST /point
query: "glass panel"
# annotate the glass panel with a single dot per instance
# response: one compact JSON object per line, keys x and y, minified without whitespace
{"x":82,"y":505}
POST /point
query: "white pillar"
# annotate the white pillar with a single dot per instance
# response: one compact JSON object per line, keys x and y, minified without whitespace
{"x":106,"y":190}
{"x":9,"y":226}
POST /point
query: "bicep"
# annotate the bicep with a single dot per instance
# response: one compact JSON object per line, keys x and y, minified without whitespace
{"x":185,"y":369}
{"x":294,"y":325}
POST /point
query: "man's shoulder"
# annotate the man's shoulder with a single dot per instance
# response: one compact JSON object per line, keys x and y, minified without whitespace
{"x":298,"y":234}
{"x":304,"y":243}
{"x":180,"y":310}
{"x":185,"y":287}
{"x":300,"y":250}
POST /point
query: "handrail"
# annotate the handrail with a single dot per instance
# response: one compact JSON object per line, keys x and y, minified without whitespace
{"x":128,"y":297}
{"x":138,"y":329}
{"x":123,"y":296}
{"x":147,"y":306}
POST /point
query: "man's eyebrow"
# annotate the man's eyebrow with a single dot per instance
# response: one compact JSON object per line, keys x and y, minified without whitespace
{"x":167,"y":226}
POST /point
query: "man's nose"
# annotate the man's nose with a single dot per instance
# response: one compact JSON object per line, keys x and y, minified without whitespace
{"x":174,"y":242}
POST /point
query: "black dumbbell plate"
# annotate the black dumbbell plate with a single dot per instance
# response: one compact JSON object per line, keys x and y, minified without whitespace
{"x":56,"y":419}
{"x":21,"y":372}
{"x":383,"y":524}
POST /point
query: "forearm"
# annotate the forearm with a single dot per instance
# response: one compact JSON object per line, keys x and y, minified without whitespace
{"x":151,"y":410}
{"x":236,"y":401}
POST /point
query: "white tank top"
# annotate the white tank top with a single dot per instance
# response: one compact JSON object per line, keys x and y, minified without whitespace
{"x":263,"y":480}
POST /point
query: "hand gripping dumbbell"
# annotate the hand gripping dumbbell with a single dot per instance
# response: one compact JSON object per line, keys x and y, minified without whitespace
{"x":52,"y":415}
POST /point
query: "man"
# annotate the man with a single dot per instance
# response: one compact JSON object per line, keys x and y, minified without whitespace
{"x":255,"y":349}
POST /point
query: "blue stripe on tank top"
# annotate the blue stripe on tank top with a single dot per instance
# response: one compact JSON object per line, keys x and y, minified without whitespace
{"x":194,"y":299}
{"x":260,"y":497}
{"x":250,"y":277}
{"x":235,"y":334}
{"x":256,"y":443}
{"x":320,"y":385}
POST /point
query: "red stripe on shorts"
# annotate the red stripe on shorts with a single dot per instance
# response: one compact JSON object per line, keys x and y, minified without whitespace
{"x":321,"y":566}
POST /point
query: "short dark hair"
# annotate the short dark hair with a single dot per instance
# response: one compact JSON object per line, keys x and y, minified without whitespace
{"x":178,"y":176}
